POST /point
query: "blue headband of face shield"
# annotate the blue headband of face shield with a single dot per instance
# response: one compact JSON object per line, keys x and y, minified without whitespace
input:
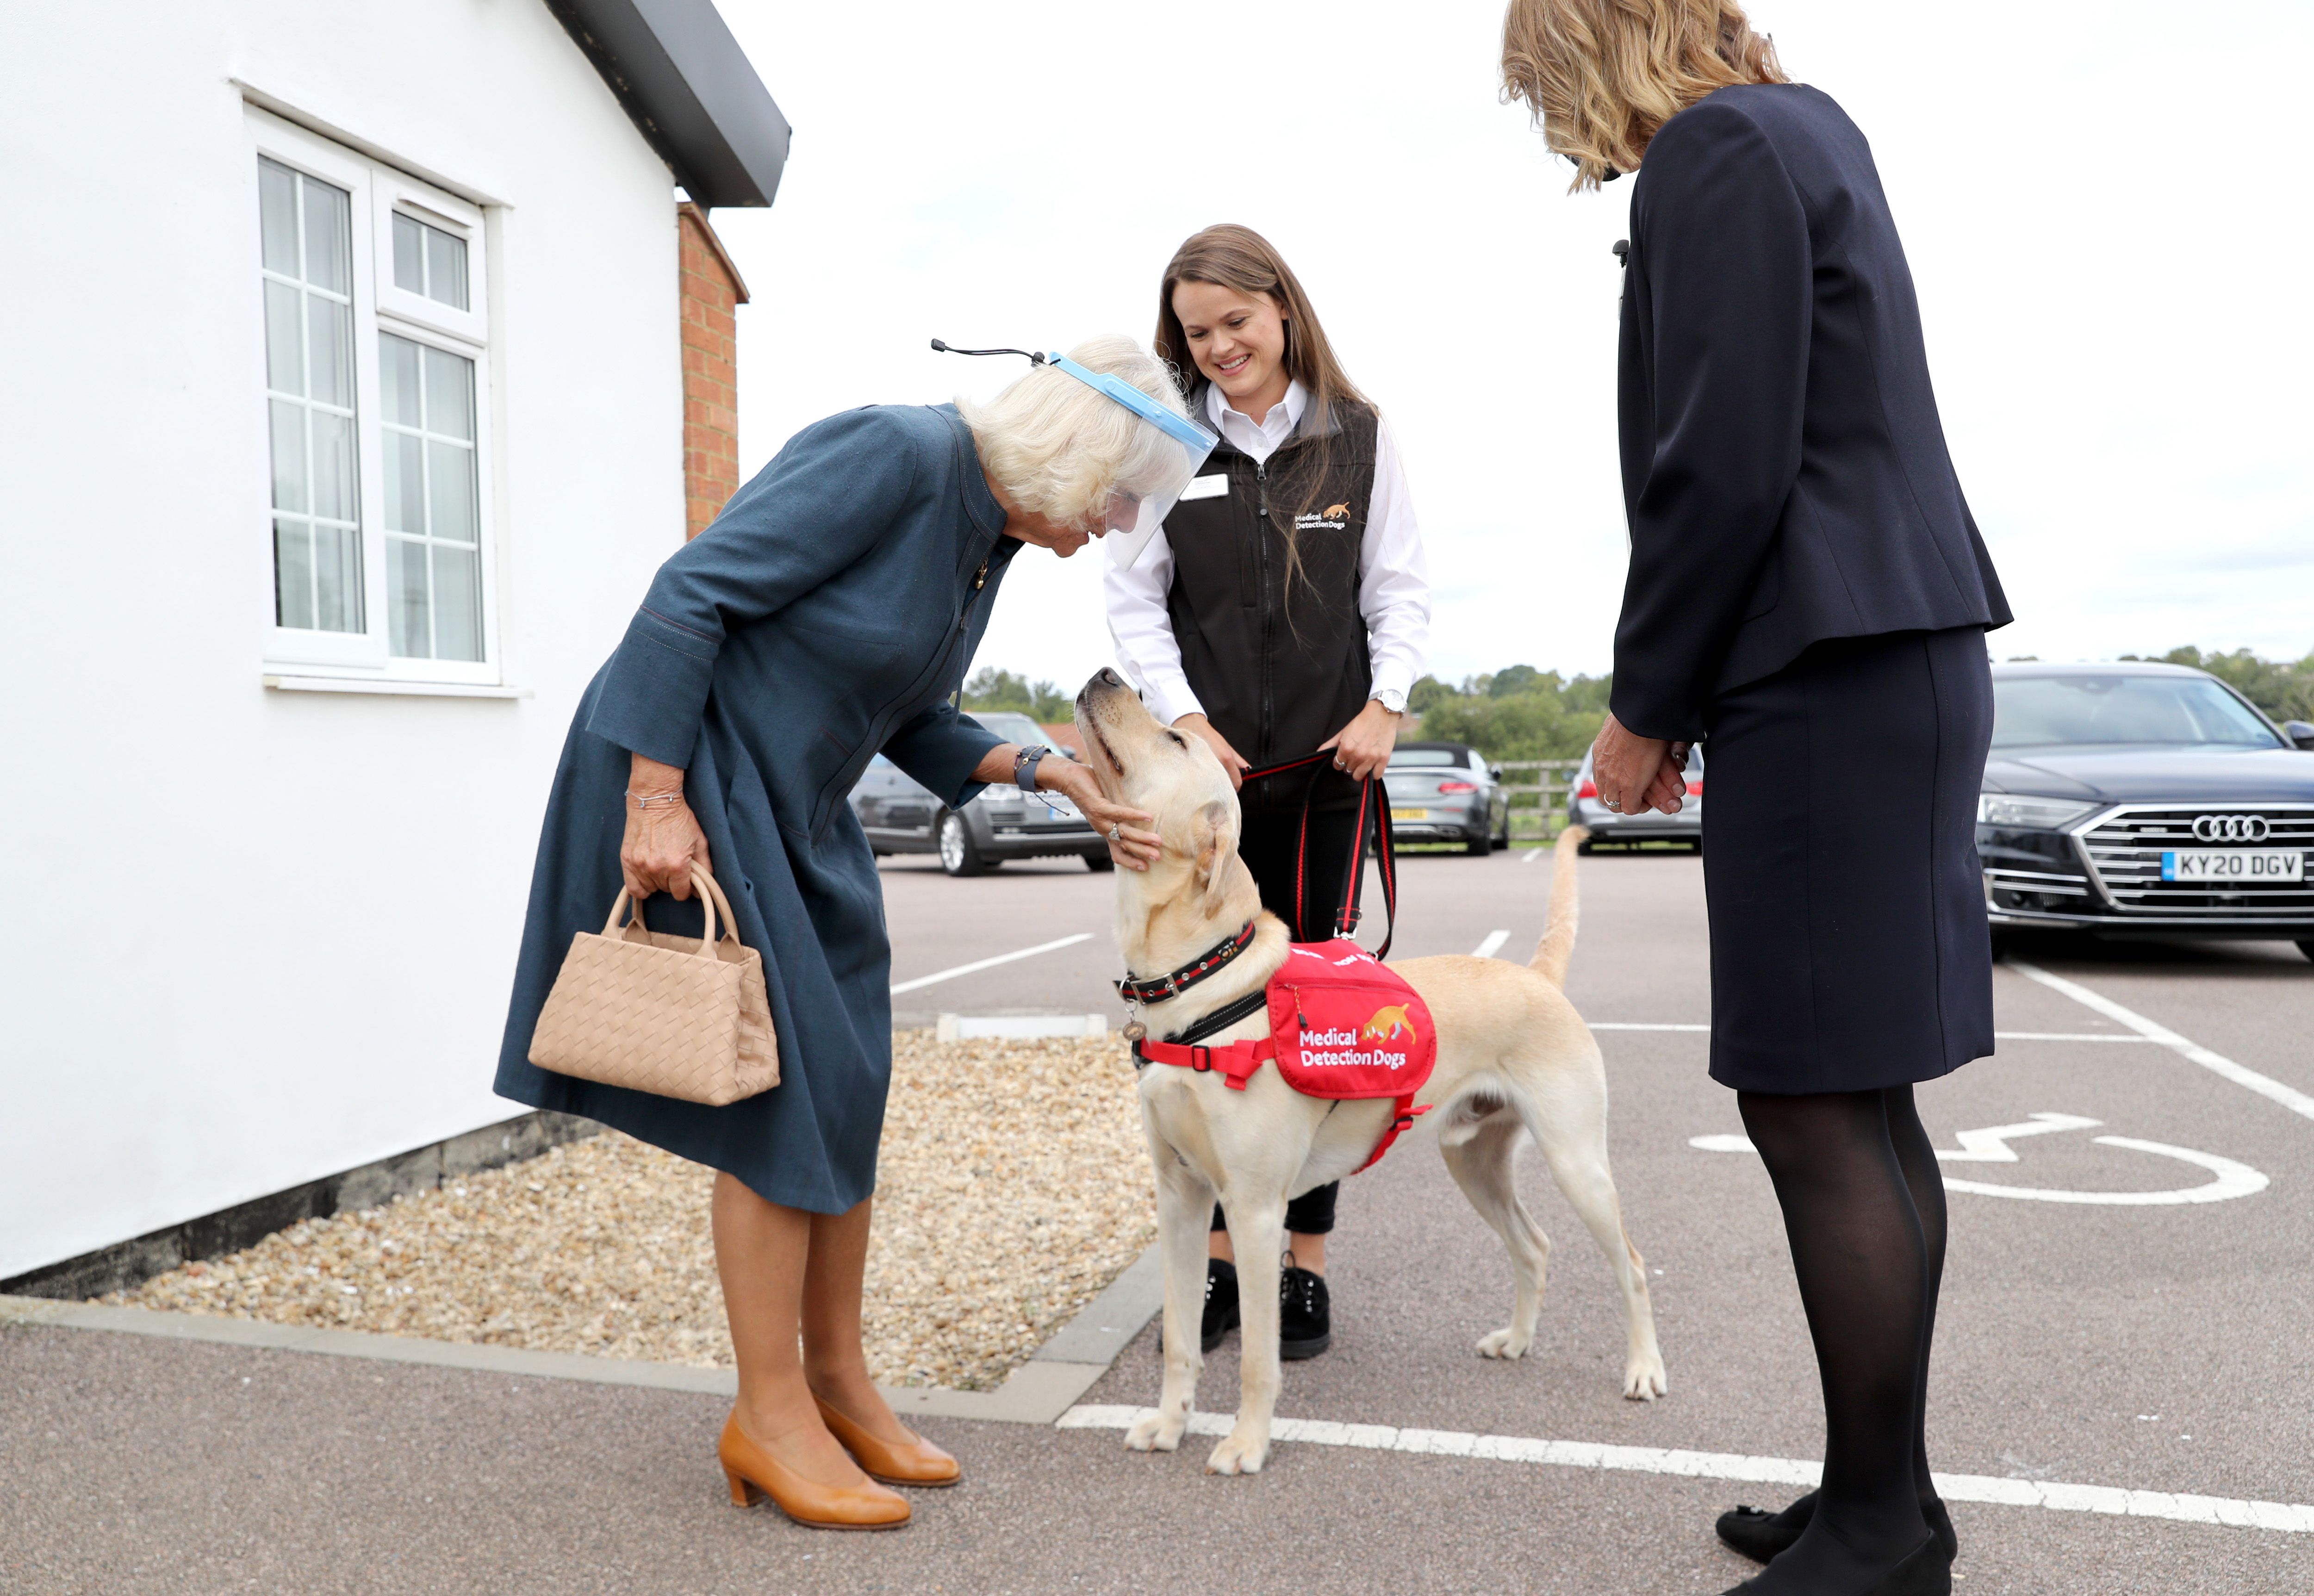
{"x":1137,"y":507}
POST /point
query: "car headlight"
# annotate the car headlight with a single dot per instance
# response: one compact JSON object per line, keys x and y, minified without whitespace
{"x":2036,"y":813}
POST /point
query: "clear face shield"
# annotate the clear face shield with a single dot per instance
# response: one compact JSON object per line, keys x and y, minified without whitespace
{"x":1172,"y":449}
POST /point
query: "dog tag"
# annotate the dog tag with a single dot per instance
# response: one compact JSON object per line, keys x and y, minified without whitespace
{"x":1134,"y":1031}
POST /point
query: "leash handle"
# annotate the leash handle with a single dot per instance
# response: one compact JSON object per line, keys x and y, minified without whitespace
{"x":1373,"y":800}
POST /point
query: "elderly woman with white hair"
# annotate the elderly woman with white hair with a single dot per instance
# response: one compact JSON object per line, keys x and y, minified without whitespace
{"x":828,"y":614}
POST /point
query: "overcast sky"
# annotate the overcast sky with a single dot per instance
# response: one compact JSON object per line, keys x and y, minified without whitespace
{"x":2105,"y":206}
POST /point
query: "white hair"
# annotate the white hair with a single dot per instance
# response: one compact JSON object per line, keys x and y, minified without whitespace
{"x":1059,"y":447}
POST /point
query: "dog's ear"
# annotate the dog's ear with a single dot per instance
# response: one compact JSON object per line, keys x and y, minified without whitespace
{"x":1216,"y":834}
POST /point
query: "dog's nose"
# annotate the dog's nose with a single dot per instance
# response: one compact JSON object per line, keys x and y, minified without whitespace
{"x":1109,"y":677}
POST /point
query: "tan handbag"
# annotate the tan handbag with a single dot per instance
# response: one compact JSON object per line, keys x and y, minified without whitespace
{"x":672,"y":1016}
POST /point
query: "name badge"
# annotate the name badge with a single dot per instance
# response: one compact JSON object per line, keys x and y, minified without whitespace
{"x":1213,"y":487}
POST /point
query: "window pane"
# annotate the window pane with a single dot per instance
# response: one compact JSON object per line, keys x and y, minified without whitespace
{"x":449,"y":395}
{"x":333,"y":465}
{"x":445,"y":267}
{"x":293,"y":574}
{"x":306,"y":231}
{"x":329,"y":242}
{"x":405,"y":588}
{"x":406,"y":482}
{"x":450,"y":491}
{"x":408,"y":255}
{"x":331,"y":349}
{"x":277,"y":210}
{"x":288,"y":455}
{"x":398,"y":380}
{"x":457,"y":604}
{"x":336,"y":578}
{"x":284,"y":343}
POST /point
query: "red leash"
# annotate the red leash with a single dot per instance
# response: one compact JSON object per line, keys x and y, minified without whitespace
{"x":1373,"y":799}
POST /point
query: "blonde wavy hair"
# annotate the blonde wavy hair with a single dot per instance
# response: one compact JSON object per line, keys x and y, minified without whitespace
{"x":1059,"y":447}
{"x":1602,"y":76}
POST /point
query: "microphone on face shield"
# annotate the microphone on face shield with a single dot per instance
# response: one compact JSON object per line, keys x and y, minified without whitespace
{"x":947,"y":348}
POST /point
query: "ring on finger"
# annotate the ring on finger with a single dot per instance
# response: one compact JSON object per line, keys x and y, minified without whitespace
{"x":1116,"y":833}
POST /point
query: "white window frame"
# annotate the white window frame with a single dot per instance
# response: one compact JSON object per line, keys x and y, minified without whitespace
{"x":378,"y":190}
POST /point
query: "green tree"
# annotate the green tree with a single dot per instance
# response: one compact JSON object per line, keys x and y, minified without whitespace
{"x":992,"y":689}
{"x":2283,"y":689}
{"x":1518,"y":712}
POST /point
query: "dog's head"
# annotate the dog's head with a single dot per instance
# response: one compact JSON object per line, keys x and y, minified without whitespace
{"x":1176,"y":777}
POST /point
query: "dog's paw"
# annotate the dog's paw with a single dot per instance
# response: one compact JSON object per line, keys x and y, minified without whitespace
{"x":1505,"y":1344}
{"x":1645,"y":1380}
{"x":1243,"y":1451}
{"x":1155,"y":1432}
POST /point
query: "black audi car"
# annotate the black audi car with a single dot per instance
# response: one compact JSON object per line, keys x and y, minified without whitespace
{"x":2148,"y":800}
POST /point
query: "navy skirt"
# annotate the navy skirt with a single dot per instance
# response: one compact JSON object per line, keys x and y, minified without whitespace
{"x":1850,"y":949}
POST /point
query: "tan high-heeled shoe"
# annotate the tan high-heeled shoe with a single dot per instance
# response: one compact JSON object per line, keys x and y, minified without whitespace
{"x":750,"y":1469}
{"x":918,"y":1463}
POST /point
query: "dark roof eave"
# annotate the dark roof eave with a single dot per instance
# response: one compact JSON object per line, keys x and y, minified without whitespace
{"x":689,"y":89}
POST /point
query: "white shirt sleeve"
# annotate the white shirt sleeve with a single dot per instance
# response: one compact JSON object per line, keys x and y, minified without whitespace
{"x":1143,"y":632}
{"x":1393,"y":581}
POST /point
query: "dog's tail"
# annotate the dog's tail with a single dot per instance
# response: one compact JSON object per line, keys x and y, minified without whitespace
{"x":1558,"y":944}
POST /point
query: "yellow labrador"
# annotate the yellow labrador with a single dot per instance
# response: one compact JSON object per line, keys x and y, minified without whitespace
{"x":1515,"y":1061}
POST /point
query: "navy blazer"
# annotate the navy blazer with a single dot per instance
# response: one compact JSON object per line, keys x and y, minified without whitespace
{"x":1784,"y":470}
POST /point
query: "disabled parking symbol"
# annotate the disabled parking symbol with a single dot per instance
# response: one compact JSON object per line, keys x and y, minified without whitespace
{"x":2228,"y":1178}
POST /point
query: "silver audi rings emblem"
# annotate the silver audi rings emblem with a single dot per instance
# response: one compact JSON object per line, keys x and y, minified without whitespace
{"x":2230,"y":828}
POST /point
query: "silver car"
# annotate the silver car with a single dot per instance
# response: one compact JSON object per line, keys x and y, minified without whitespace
{"x":1446,"y":792}
{"x":901,"y":816}
{"x":1614,"y":830}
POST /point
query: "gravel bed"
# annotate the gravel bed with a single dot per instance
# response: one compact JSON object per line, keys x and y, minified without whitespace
{"x":1014,"y":1185}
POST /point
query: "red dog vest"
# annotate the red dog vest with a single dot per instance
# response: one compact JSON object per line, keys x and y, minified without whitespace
{"x":1341,"y":1025}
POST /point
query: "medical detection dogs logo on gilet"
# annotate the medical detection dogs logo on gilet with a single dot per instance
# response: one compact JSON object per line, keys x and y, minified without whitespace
{"x":1346,"y":1026}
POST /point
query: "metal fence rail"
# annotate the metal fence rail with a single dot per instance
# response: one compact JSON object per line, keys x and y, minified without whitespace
{"x":1538,"y":808}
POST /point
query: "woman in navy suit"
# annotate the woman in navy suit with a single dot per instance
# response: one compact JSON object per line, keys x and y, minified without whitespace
{"x":1808,"y":591}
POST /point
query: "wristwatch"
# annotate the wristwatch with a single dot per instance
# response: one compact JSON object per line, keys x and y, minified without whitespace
{"x":1391,"y":699}
{"x":1024,"y":766}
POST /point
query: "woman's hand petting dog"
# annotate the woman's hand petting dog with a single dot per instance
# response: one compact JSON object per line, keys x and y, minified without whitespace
{"x":1234,"y":763}
{"x":1136,"y":849}
{"x":1635,"y":774}
{"x":1364,"y":746}
{"x":663,"y":840}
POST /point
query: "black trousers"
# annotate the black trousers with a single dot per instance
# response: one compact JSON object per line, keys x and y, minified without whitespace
{"x":1270,"y":848}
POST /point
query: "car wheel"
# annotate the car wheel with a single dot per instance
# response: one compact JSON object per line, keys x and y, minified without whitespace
{"x":1479,"y":846}
{"x":1099,"y":861}
{"x":959,"y":855}
{"x":1584,"y":847}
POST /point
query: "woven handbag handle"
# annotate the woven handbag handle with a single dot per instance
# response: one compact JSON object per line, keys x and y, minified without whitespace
{"x":711,"y":898}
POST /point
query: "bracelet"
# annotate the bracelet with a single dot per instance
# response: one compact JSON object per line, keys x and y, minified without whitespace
{"x":645,"y":800}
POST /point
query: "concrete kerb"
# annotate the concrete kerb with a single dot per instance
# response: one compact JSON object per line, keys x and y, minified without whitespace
{"x":1037,"y":1392}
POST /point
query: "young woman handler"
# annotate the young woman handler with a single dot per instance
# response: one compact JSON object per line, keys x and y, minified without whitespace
{"x":1284,"y":609}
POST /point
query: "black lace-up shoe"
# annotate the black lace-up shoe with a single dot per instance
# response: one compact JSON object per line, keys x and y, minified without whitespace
{"x":1305,"y":1324}
{"x":1220,"y":1302}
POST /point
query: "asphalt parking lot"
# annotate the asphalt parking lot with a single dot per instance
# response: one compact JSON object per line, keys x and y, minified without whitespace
{"x":2140,"y":1325}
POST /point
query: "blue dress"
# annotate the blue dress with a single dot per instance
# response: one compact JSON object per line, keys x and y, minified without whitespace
{"x":829,"y":613}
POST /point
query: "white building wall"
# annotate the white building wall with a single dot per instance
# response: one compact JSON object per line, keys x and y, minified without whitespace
{"x":259,"y":936}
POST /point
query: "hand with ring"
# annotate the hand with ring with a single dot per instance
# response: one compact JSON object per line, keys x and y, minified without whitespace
{"x":1362,"y":748}
{"x":1635,"y":774}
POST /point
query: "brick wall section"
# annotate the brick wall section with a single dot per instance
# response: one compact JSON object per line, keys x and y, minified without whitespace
{"x":711,"y":292}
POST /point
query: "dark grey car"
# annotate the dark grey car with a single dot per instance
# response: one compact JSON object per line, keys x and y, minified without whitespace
{"x":1446,"y":792}
{"x":2136,"y":799}
{"x":900,"y":817}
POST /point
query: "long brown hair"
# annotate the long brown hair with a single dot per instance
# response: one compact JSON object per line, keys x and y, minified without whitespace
{"x":1231,"y":256}
{"x":1602,"y":76}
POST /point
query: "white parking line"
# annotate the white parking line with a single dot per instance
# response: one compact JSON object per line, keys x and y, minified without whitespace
{"x":1616,"y":1024}
{"x":1491,"y":946}
{"x":987,"y":964}
{"x":1783,"y":1471}
{"x":2265,"y":1086}
{"x":1530,"y":857}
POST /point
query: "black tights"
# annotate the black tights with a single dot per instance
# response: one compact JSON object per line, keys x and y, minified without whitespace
{"x":1864,"y":1208}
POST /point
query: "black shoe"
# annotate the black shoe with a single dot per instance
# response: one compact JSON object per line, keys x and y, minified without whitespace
{"x":1220,"y":1302}
{"x":1927,"y":1572}
{"x":1761,"y":1535}
{"x":1305,"y":1322}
